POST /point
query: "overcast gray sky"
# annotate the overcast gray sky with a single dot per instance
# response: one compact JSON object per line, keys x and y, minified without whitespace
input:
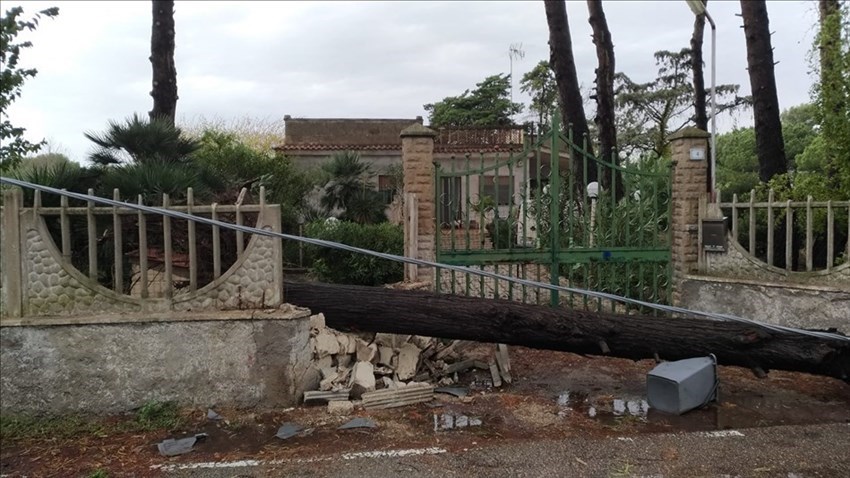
{"x":350,"y":59}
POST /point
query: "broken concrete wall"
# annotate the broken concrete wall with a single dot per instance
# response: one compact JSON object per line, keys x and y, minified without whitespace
{"x":794,"y":305}
{"x":113,"y":364}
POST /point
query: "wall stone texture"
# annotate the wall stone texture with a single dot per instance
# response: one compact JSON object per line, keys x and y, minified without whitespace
{"x":688,"y":185}
{"x":116,"y":364}
{"x":737,"y":263}
{"x":808,"y":307}
{"x":53,"y":287}
{"x":417,"y":160}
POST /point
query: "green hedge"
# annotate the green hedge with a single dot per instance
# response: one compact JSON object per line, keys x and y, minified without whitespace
{"x":336,"y":266}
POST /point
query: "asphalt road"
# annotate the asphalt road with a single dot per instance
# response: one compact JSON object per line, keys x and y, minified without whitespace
{"x":783,"y":451}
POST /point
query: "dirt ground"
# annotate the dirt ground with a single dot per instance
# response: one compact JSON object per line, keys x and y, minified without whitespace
{"x":554,"y":395}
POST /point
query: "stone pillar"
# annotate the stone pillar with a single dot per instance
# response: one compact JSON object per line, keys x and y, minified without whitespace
{"x":12,"y":271}
{"x":690,"y":171}
{"x":417,"y":155}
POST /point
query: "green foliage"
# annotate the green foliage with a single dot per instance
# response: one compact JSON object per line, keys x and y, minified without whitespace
{"x":140,"y":140}
{"x":831,"y":95}
{"x":648,"y":113}
{"x":227,"y":164}
{"x":56,"y":171}
{"x":13,"y":146}
{"x":155,"y":415}
{"x":502,"y":232}
{"x":152,"y":180}
{"x":331,"y":265}
{"x":737,"y":159}
{"x":348,"y":190}
{"x":540,"y":84}
{"x":737,"y":162}
{"x":489,"y":104}
{"x":99,"y":473}
{"x":22,"y":427}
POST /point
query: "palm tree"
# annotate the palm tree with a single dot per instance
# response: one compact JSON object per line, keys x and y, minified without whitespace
{"x":349,"y":190}
{"x":147,"y":157}
{"x":139,"y":140}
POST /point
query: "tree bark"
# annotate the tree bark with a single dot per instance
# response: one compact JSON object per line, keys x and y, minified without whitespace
{"x":605,"y":109}
{"x":562,"y":62}
{"x":697,"y":67}
{"x":768,"y":127}
{"x":697,"y":64}
{"x":376,"y":309}
{"x":164,"y":90}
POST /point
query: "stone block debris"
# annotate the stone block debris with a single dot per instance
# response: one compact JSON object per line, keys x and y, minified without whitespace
{"x":398,"y":397}
{"x":351,"y":365}
{"x":172,"y":447}
{"x":358,"y":422}
{"x":288,"y":430}
{"x":340,"y":407}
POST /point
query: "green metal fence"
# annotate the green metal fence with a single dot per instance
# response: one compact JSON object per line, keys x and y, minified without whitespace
{"x":526,"y":214}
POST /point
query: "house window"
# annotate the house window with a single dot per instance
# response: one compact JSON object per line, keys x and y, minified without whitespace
{"x":451,"y":201}
{"x":498,"y":188}
{"x":387,"y":187}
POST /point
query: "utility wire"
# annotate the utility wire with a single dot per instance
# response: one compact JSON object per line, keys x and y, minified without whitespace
{"x":418,"y":262}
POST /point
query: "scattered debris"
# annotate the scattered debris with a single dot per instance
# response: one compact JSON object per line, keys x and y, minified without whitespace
{"x":288,"y":430}
{"x":358,"y":422}
{"x":449,"y":421}
{"x":504,"y":362}
{"x":408,"y":360}
{"x":456,"y":391}
{"x":362,"y":379}
{"x":172,"y":447}
{"x":353,"y":365}
{"x":494,"y":373}
{"x":399,"y":397}
{"x":321,"y":396}
{"x":212,"y":415}
{"x":340,"y":407}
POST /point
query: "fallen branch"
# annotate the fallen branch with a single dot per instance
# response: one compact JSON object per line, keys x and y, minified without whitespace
{"x":376,"y":309}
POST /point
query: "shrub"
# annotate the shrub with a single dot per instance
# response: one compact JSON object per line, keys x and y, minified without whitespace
{"x":332,"y":265}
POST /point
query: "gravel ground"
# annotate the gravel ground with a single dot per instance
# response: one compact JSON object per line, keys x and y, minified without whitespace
{"x":786,"y":451}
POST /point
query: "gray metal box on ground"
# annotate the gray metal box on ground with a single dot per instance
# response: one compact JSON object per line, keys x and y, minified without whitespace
{"x":683,"y":385}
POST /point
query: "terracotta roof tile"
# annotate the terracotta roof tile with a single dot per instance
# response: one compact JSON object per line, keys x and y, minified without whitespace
{"x":438,"y":148}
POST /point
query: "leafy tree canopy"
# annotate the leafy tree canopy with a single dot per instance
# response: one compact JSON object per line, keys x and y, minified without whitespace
{"x":540,"y":84}
{"x":489,"y":104}
{"x":13,"y":146}
{"x":737,"y":157}
{"x":648,"y":113}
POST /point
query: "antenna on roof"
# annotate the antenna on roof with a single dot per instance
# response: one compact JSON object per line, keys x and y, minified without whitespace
{"x":515,"y":51}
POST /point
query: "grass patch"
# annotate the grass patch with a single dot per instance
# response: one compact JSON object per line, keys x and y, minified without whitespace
{"x":156,"y":415}
{"x":151,"y":416}
{"x":20,"y":427}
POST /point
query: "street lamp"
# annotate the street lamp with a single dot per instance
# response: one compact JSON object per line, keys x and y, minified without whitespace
{"x":593,"y":194}
{"x":698,"y":7}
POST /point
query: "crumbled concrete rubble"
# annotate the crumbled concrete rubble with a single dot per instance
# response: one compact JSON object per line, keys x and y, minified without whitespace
{"x":353,"y":366}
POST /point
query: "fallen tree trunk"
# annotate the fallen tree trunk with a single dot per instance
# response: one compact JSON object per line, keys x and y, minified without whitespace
{"x":375,"y":309}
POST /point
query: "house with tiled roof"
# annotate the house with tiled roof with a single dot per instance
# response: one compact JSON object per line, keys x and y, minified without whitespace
{"x":311,"y":142}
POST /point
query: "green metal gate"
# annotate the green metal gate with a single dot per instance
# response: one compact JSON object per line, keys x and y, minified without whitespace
{"x":526,"y":214}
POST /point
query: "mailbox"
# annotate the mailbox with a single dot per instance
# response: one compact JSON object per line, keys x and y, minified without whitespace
{"x":714,"y":234}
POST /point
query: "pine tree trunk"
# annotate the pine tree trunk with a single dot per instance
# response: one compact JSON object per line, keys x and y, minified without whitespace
{"x":768,"y":128}
{"x":697,"y":66}
{"x":164,"y":90}
{"x":605,"y":108}
{"x":562,"y":62}
{"x":378,"y":309}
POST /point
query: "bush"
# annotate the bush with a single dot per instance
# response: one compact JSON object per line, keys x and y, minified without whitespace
{"x":332,"y":265}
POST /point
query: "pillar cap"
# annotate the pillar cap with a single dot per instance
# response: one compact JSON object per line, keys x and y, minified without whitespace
{"x":688,"y":133}
{"x":417,"y":130}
